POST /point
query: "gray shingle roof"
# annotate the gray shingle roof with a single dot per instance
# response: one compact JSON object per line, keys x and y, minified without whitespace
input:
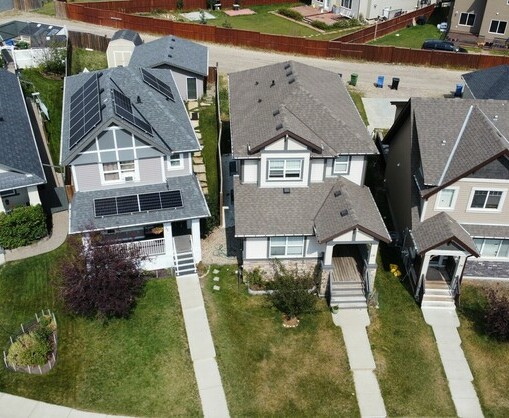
{"x":441,"y":229}
{"x":172,"y":130}
{"x":194,"y":207}
{"x":174,"y":52}
{"x":18,"y":150}
{"x":41,"y":34}
{"x":270,"y":211}
{"x":489,"y":83}
{"x":290,"y":97}
{"x":487,"y":231}
{"x":128,"y":35}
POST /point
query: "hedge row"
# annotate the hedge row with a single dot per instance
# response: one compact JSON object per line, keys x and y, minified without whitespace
{"x":22,"y":226}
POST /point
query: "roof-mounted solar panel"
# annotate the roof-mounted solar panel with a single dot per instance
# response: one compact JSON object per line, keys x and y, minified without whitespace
{"x":157,"y":84}
{"x":123,"y":108}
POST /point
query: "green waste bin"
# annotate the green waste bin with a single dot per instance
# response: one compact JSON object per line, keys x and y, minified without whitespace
{"x":353,"y":79}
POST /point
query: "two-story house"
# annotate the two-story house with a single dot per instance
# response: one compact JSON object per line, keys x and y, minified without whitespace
{"x":447,"y":178}
{"x":21,"y":170}
{"x":128,"y":143}
{"x":479,"y":21}
{"x":301,"y":150}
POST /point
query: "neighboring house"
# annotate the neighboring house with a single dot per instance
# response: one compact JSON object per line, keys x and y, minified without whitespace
{"x":188,"y":62}
{"x":128,"y":141}
{"x":301,"y":149}
{"x":121,"y":47}
{"x":447,"y":178}
{"x":21,"y":168}
{"x":490,"y":83}
{"x":480,"y":21}
{"x":370,"y":9}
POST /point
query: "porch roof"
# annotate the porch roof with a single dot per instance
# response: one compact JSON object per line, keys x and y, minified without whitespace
{"x":84,"y":219}
{"x":441,"y":229}
{"x":487,"y":231}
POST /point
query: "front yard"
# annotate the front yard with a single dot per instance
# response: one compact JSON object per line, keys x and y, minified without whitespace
{"x":137,"y":367}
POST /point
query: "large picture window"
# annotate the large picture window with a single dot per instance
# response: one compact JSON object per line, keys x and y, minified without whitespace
{"x":486,"y":199}
{"x":342,"y":164}
{"x":498,"y":26}
{"x":467,"y":19}
{"x":495,"y":248}
{"x":286,"y":246}
{"x":120,"y":170}
{"x":285,"y":169}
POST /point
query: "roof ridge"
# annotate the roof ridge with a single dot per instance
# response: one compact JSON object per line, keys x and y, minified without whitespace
{"x":500,"y":136}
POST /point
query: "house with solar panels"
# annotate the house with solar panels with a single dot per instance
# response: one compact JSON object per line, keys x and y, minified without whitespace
{"x":301,"y":150}
{"x":128,"y":143}
{"x":21,"y":170}
{"x":187,"y":61}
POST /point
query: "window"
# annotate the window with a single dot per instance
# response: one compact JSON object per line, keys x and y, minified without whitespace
{"x":290,"y":168}
{"x":467,"y":19}
{"x":123,"y":170}
{"x":486,"y":199}
{"x":342,"y":164}
{"x":175,"y":161}
{"x":498,"y":26}
{"x":347,"y":4}
{"x":498,"y":248}
{"x":191,"y":89}
{"x":286,"y":246}
{"x":446,"y":199}
{"x":7,"y":193}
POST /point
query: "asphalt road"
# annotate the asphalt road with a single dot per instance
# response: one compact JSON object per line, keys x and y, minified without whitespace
{"x":414,"y":81}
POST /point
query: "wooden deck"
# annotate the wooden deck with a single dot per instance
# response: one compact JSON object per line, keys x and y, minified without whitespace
{"x":437,"y":274}
{"x":183,"y":243}
{"x":347,"y":265}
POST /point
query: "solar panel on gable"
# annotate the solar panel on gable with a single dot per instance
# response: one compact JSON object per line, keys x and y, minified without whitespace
{"x":171,"y":199}
{"x":127,"y":204}
{"x":150,"y":201}
{"x":157,"y":84}
{"x":105,"y":207}
{"x":123,"y":108}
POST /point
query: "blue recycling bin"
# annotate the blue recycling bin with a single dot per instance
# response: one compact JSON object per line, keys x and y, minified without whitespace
{"x":380,"y":81}
{"x":459,"y":90}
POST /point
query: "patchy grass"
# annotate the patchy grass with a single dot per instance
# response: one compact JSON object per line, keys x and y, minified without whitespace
{"x":51,"y":91}
{"x":408,"y":363}
{"x":268,"y":370}
{"x":412,"y":37}
{"x":488,"y":358}
{"x":91,"y":60}
{"x":48,"y":9}
{"x":139,"y":367}
{"x":356,"y":96}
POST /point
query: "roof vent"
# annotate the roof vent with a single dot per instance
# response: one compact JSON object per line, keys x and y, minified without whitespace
{"x":101,"y":91}
{"x":256,"y":83}
{"x":337,"y":193}
{"x":344,"y":212}
{"x":292,"y":80}
{"x":170,"y":56}
{"x":443,"y":142}
{"x":279,"y":126}
{"x":495,"y":118}
{"x":273,"y":83}
{"x":259,"y":100}
{"x":275,"y":113}
{"x":171,"y":47}
{"x":286,"y":190}
{"x":287,"y":65}
{"x":138,"y":99}
{"x":173,"y":39}
{"x":289,"y":73}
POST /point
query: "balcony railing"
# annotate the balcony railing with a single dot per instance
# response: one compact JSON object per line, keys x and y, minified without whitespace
{"x":149,"y":247}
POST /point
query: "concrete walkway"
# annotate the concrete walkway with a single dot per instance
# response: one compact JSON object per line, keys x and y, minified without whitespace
{"x":380,"y":113}
{"x":203,"y":353}
{"x":55,"y":240}
{"x":353,"y":323}
{"x":445,"y":323}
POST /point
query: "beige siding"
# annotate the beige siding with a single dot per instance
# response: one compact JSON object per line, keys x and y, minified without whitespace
{"x":468,"y":6}
{"x":87,"y":177}
{"x":317,"y":170}
{"x":249,"y":172}
{"x":495,"y":10}
{"x":278,"y":145}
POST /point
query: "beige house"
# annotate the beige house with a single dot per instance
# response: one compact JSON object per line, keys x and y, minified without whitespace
{"x":447,"y":185}
{"x":481,"y":21}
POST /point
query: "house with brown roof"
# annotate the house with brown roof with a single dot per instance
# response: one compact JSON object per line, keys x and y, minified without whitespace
{"x":301,"y":150}
{"x":447,"y":179}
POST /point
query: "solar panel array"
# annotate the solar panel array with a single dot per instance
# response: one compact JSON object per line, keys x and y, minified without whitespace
{"x":85,"y":110}
{"x":137,"y":203}
{"x":157,"y":84}
{"x":124,"y":109}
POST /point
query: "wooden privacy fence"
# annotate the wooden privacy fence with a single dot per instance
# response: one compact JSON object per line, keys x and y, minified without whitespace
{"x":85,"y":12}
{"x":383,"y":28}
{"x":27,"y":5}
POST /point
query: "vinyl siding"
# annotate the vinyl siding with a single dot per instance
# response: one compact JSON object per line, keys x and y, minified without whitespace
{"x":467,"y":6}
{"x":249,"y":172}
{"x":150,"y":171}
{"x":181,"y":77}
{"x":356,"y":172}
{"x":495,"y":10}
{"x":317,"y":171}
{"x":87,"y":177}
{"x":185,"y":170}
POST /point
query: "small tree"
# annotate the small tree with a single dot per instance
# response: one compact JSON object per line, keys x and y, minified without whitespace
{"x":101,"y":279}
{"x":291,"y":291}
{"x":496,"y":315}
{"x":53,"y":59}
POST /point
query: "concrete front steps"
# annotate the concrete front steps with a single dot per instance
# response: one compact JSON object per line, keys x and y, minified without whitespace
{"x":437,"y":295}
{"x":347,"y":295}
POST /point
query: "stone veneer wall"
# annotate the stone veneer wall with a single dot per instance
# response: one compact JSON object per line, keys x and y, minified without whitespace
{"x":482,"y":268}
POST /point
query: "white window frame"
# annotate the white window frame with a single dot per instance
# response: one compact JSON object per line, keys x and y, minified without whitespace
{"x":122,"y":172}
{"x":347,"y":4}
{"x":286,"y":170}
{"x":453,"y":201}
{"x":175,"y":161}
{"x":499,"y":21}
{"x":292,"y":242}
{"x":468,"y":15}
{"x":489,"y":190}
{"x":347,"y":159}
{"x":8,"y":193}
{"x":483,"y":243}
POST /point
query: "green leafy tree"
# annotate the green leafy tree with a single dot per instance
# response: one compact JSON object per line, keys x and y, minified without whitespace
{"x":54,"y":59}
{"x":22,"y":226}
{"x":496,"y":316}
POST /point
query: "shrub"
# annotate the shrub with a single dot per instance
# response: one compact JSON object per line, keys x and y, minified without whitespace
{"x":30,"y":349}
{"x":320,"y":25}
{"x":226,"y":24}
{"x":292,"y":14}
{"x":180,"y":4}
{"x":496,"y":315}
{"x":22,"y":226}
{"x":256,"y":279}
{"x":53,"y":60}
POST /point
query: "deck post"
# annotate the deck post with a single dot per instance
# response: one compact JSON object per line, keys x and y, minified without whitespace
{"x":195,"y":230}
{"x":168,"y":242}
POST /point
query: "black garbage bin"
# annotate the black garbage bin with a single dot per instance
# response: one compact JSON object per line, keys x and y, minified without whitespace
{"x":395,"y":83}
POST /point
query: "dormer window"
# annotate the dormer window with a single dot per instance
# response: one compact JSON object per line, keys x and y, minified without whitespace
{"x":285,"y":169}
{"x":175,"y":161}
{"x":342,"y":164}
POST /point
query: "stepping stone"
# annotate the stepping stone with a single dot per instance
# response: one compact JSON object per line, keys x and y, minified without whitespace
{"x":215,"y":271}
{"x":192,"y":105}
{"x":198,"y":160}
{"x":216,"y":279}
{"x":199,"y":168}
{"x":216,"y":287}
{"x":197,"y":154}
{"x":202,"y":177}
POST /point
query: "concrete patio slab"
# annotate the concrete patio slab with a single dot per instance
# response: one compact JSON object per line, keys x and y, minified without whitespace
{"x":198,"y":334}
{"x":368,"y":392}
{"x":380,"y":113}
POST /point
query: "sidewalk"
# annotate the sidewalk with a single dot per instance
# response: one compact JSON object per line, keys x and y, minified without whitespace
{"x":203,"y":353}
{"x":55,"y":240}
{"x":353,"y":323}
{"x":445,"y":323}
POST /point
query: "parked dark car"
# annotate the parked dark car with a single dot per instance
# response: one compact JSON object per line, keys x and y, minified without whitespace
{"x":440,"y":45}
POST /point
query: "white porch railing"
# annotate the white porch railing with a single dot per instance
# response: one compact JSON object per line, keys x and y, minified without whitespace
{"x":149,"y":247}
{"x":343,"y":11}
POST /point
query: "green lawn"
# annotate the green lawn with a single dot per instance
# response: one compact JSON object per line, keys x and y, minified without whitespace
{"x":412,"y":37}
{"x":51,"y":95}
{"x":488,"y":358}
{"x":139,"y":366}
{"x":409,"y":369}
{"x":268,"y":370}
{"x":91,"y":60}
{"x":356,"y":96}
{"x":48,"y":9}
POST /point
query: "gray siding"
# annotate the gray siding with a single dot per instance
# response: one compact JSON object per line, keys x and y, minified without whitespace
{"x":87,"y":177}
{"x":150,"y":170}
{"x":181,"y":81}
{"x":184,"y":171}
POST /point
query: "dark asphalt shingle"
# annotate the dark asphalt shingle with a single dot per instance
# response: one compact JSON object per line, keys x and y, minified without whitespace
{"x":489,"y":83}
{"x":128,"y":35}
